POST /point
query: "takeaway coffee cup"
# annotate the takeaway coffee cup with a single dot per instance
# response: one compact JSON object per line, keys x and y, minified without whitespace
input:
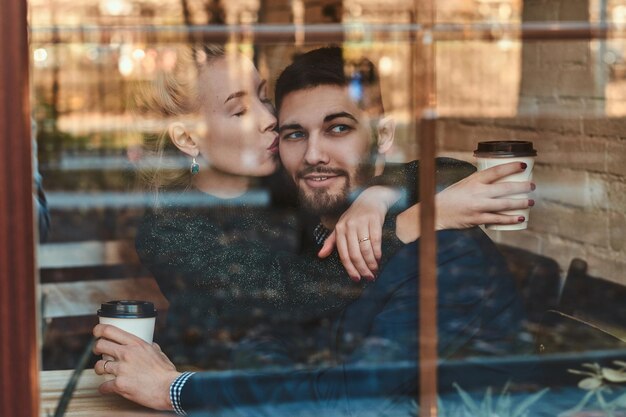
{"x":492,"y":153}
{"x":136,"y":317}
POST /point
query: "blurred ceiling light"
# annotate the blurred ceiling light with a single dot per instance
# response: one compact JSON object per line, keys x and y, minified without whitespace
{"x":505,"y":11}
{"x":505,"y":44}
{"x":356,"y":10}
{"x":385,"y":65}
{"x":484,"y":10}
{"x":138,"y":54}
{"x":115,"y":7}
{"x":40,"y":55}
{"x":610,"y":57}
{"x":168,"y":59}
{"x":148,"y":64}
{"x":93,"y":53}
{"x":619,"y":14}
{"x":248,"y":17}
{"x":297,"y":10}
{"x":125,"y":65}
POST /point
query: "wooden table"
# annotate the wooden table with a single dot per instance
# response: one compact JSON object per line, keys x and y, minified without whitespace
{"x":86,"y":401}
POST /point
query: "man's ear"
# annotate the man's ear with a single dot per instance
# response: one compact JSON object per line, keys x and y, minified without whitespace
{"x":181,"y":138}
{"x":386,"y":134}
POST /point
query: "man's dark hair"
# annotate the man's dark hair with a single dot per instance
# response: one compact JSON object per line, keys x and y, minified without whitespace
{"x":326,"y":66}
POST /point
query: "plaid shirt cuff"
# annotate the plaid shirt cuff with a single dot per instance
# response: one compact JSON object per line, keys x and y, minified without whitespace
{"x":175,"y":390}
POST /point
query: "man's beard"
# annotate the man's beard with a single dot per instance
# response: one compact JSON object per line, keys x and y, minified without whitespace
{"x":320,"y":202}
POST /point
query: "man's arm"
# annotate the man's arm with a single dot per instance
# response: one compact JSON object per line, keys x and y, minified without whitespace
{"x":477,"y":303}
{"x":144,"y":375}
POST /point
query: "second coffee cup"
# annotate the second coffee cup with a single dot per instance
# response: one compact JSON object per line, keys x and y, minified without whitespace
{"x":492,"y":153}
{"x":132,"y":316}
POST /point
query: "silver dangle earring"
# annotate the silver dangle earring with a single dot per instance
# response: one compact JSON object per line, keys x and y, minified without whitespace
{"x":195,"y":167}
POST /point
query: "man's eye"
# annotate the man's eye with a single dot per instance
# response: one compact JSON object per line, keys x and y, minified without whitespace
{"x":340,"y":129}
{"x":293,"y":136}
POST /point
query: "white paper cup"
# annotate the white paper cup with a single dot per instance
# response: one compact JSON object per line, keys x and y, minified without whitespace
{"x":132,"y":316}
{"x":492,"y":153}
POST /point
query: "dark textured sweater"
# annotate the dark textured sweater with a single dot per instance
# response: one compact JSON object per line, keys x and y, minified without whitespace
{"x":235,"y":264}
{"x":234,"y":257}
{"x":232,"y":269}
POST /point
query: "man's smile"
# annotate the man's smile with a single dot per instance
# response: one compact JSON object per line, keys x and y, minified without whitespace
{"x":320,"y":180}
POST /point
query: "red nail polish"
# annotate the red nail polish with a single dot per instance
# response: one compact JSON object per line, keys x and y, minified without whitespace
{"x":531,"y":202}
{"x":532,"y":186}
{"x":521,"y":219}
{"x":523,"y":164}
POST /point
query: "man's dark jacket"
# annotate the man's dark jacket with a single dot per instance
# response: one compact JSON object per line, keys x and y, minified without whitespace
{"x":479,"y":312}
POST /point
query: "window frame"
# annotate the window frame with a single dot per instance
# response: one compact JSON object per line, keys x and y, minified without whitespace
{"x":19,"y":349}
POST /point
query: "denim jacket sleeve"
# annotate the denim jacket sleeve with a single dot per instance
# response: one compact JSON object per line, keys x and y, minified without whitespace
{"x":477,"y":304}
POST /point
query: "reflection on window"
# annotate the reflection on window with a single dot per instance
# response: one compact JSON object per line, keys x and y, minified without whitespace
{"x":205,"y":177}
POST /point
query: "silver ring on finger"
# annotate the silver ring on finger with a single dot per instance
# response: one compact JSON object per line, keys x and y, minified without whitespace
{"x":104,"y":367}
{"x":364,"y":239}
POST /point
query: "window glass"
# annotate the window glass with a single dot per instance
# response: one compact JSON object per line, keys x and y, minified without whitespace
{"x":197,"y":155}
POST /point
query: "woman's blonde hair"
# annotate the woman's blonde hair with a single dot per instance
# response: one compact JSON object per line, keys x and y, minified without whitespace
{"x":173,"y":95}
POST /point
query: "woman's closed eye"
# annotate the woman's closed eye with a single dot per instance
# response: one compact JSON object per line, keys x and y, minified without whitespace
{"x":240,"y":112}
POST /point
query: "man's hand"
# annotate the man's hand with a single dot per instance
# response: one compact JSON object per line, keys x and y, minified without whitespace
{"x":142,"y":372}
{"x":358,"y":233}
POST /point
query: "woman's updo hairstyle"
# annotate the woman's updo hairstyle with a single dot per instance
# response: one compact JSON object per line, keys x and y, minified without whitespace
{"x":172,"y":96}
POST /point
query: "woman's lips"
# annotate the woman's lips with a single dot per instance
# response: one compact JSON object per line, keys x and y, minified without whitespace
{"x":273,"y":148}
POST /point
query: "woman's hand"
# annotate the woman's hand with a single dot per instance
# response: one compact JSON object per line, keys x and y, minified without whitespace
{"x":475,"y":200}
{"x":358,"y":233}
{"x":142,"y":372}
{"x":479,"y":199}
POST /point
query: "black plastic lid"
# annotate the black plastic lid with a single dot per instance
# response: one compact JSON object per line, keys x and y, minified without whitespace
{"x":504,"y":149}
{"x":127,"y":309}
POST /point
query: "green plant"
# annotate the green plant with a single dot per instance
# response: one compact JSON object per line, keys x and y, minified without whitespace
{"x":501,"y":406}
{"x":598,"y":382}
